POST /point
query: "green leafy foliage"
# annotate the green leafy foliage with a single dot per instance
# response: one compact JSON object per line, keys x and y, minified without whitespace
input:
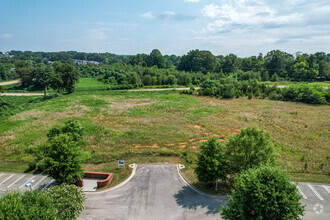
{"x":71,"y":127}
{"x":211,"y":164}
{"x":263,"y":193}
{"x":67,"y":199}
{"x":64,"y":159}
{"x":58,"y":202}
{"x":251,"y":148}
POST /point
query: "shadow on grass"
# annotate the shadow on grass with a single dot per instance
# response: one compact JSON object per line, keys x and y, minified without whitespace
{"x":188,"y":198}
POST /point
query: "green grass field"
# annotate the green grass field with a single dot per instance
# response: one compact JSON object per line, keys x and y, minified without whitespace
{"x":159,"y":127}
{"x":287,"y":83}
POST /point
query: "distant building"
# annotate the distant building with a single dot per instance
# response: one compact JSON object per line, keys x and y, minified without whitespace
{"x":84,"y":62}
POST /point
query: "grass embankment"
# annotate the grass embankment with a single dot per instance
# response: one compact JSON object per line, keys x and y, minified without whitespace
{"x":156,"y":127}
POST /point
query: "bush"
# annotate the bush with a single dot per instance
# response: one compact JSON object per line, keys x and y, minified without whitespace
{"x":71,"y":127}
{"x":32,"y":165}
{"x":263,"y":193}
{"x":58,"y":202}
{"x":67,"y":199}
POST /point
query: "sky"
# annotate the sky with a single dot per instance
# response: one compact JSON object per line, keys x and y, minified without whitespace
{"x":242,"y":27}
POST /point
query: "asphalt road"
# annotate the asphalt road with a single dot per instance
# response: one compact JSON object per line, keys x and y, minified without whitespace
{"x":158,"y":192}
{"x":155,"y":192}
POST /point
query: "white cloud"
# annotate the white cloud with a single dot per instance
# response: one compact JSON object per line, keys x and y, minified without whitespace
{"x":148,"y":15}
{"x":191,"y":0}
{"x":240,"y":14}
{"x":7,"y":35}
{"x":168,"y":15}
{"x":211,"y":11}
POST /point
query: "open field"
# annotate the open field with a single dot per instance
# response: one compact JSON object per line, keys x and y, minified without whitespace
{"x":164,"y":126}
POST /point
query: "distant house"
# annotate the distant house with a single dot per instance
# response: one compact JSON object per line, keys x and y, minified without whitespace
{"x":84,"y":62}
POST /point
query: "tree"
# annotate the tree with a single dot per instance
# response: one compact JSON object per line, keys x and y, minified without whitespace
{"x":156,"y":59}
{"x":64,"y":159}
{"x":251,"y":148}
{"x":65,"y":77}
{"x":196,"y":60}
{"x":71,"y":127}
{"x":67,"y":199}
{"x":265,"y":76}
{"x":302,"y":72}
{"x":211,"y":164}
{"x":275,"y":62}
{"x":263,"y":193}
{"x":324,"y":69}
{"x":274,"y":78}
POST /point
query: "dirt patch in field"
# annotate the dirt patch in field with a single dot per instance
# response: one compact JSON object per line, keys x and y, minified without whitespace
{"x":28,"y":114}
{"x":122,"y":106}
{"x":197,"y":126}
{"x":152,"y":146}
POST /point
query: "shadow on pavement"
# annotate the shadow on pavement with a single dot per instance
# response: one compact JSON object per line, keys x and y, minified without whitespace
{"x":188,"y":198}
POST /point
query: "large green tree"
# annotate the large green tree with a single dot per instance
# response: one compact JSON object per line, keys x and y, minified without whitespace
{"x":198,"y":60}
{"x":251,"y":148}
{"x":155,"y":58}
{"x":263,"y":193}
{"x":64,"y":159}
{"x":65,"y":77}
{"x":211,"y":164}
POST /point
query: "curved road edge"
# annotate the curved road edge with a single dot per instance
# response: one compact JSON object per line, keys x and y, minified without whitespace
{"x":197,"y":190}
{"x":117,"y":186}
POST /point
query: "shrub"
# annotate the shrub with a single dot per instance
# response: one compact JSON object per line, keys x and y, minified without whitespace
{"x":71,"y":127}
{"x":263,"y":193}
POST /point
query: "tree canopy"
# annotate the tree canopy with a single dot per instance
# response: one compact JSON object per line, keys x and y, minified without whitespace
{"x":263,"y":193}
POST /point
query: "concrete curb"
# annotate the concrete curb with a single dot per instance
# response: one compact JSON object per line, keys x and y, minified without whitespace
{"x":197,"y":190}
{"x":117,"y":186}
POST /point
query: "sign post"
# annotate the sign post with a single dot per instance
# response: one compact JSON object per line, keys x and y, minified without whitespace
{"x":121,"y":163}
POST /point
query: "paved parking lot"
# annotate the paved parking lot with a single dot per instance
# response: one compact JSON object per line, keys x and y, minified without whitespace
{"x":316,"y":197}
{"x":18,"y":181}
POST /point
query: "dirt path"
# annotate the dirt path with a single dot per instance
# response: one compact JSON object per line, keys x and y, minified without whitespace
{"x":21,"y":94}
{"x":143,"y":90}
{"x":8,"y":83}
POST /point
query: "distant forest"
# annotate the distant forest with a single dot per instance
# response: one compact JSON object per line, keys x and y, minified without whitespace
{"x":121,"y":71}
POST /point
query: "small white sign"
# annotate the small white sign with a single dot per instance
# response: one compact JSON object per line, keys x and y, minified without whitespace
{"x":121,"y":163}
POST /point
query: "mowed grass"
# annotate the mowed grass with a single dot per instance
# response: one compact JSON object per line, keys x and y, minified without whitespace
{"x":158,"y":127}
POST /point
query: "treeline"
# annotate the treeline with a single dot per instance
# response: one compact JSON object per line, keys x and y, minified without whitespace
{"x":125,"y":76}
{"x":231,"y":88}
{"x":58,"y":76}
{"x":275,"y":65}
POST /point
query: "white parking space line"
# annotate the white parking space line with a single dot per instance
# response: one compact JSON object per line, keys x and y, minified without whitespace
{"x":301,"y":193}
{"x":7,"y":179}
{"x":314,"y":191}
{"x":326,"y":188}
{"x":48,"y":184}
{"x":15,"y":181}
{"x":36,"y":184}
{"x":26,"y":182}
